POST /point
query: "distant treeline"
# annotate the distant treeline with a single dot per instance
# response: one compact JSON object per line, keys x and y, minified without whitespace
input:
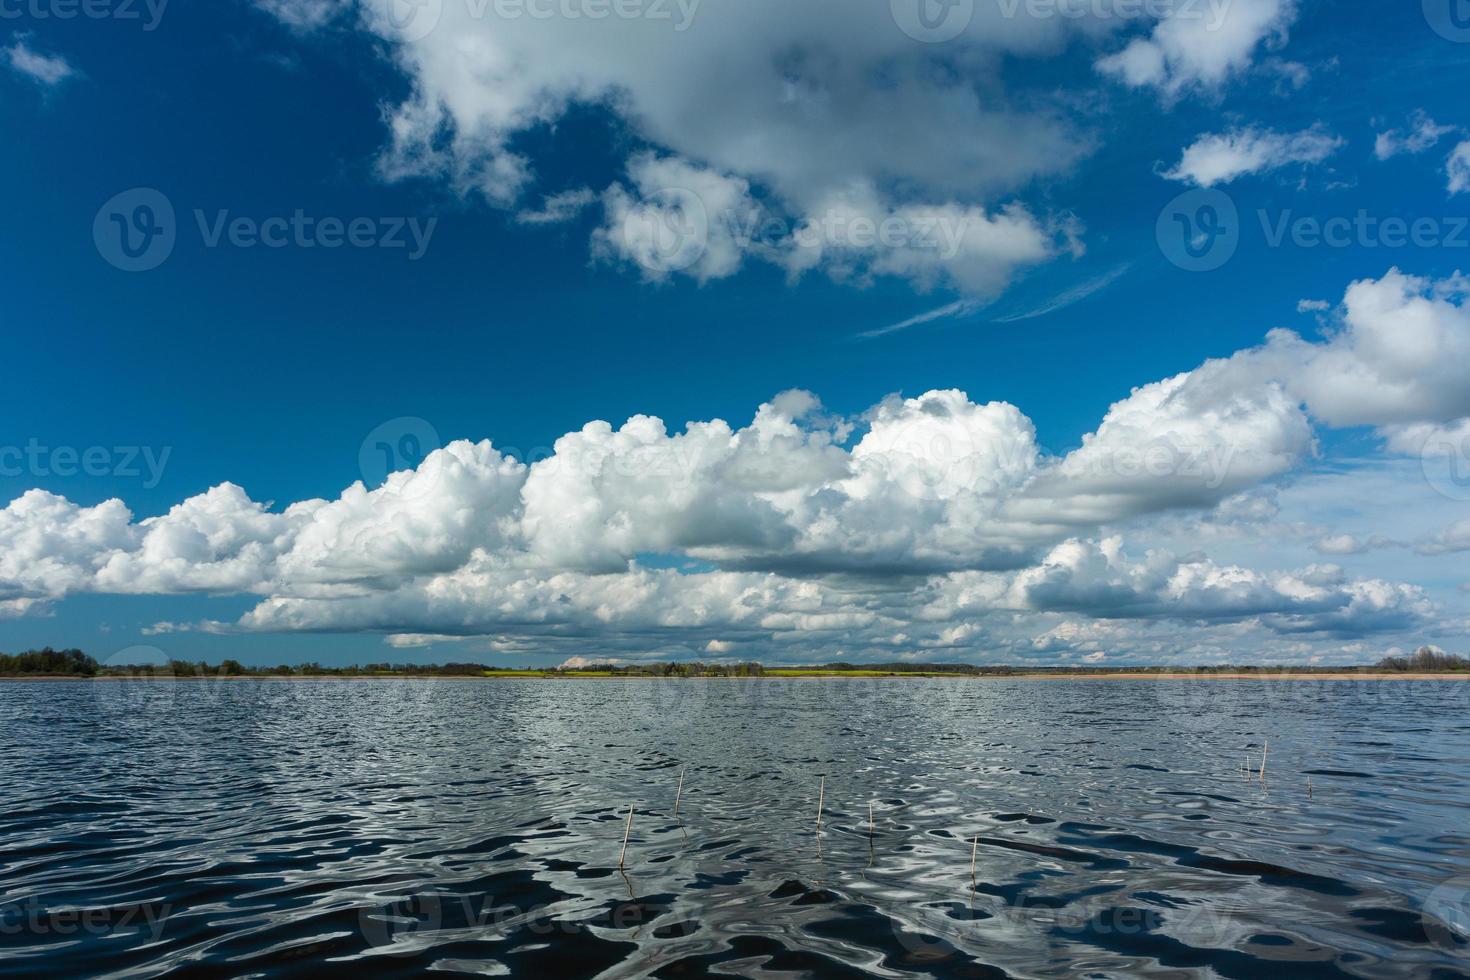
{"x":75,"y":663}
{"x":70,"y":663}
{"x":233,"y":668}
{"x":1427,"y":660}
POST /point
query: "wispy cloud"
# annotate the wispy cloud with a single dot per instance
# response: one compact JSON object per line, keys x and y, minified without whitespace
{"x":956,"y":310}
{"x":1423,"y":134}
{"x":1069,"y":297}
{"x":1223,"y":157}
{"x":48,"y":70}
{"x":559,"y":208}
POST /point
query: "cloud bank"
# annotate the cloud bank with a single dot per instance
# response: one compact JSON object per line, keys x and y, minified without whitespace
{"x":930,"y":525}
{"x":855,"y":141}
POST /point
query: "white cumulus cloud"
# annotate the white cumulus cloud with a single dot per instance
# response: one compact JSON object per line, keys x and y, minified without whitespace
{"x":928,"y":524}
{"x":1201,"y":46}
{"x":1222,"y":158}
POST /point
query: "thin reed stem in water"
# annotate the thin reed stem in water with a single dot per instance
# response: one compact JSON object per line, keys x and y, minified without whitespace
{"x":678,"y":796}
{"x":628,"y":830}
{"x":821,"y":799}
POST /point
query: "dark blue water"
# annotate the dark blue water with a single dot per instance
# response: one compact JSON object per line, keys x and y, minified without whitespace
{"x":390,"y":828}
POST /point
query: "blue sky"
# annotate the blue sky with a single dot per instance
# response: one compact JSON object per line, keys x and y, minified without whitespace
{"x":268,"y":368}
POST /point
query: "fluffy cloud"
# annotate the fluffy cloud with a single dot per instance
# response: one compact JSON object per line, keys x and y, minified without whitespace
{"x":1429,"y":440}
{"x":869,"y":154}
{"x":1396,"y":359}
{"x":19,"y":608}
{"x":1095,"y":578}
{"x":50,"y":546}
{"x":1390,"y":358}
{"x":678,"y":217}
{"x":1348,"y":544}
{"x":460,"y":499}
{"x":1458,"y":169}
{"x":1188,"y":442}
{"x":930,"y":525}
{"x":220,"y":541}
{"x":1452,"y":540}
{"x":47,"y":70}
{"x":1423,"y":134}
{"x":1221,"y":158}
{"x":1201,"y":48}
{"x":854,"y":235}
{"x":749,"y":102}
{"x":755,"y":89}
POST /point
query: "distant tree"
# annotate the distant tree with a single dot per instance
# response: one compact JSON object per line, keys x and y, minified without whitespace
{"x":73,"y":663}
{"x":1427,"y":659}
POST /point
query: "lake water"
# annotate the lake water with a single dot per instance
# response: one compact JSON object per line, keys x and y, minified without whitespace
{"x":389,"y":828}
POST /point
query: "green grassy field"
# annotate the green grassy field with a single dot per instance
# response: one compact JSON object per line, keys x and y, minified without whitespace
{"x":802,"y":672}
{"x":784,"y":672}
{"x":543,"y":674}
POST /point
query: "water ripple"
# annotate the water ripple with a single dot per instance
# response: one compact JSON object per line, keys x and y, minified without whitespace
{"x":968,"y":829}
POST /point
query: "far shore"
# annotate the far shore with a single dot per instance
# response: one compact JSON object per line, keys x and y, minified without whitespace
{"x":790,"y":675}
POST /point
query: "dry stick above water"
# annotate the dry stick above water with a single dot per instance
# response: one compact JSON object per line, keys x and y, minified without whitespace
{"x":821,"y":798}
{"x":626,"y":831}
{"x":1264,"y":749}
{"x":974,"y":855}
{"x":680,"y":794}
